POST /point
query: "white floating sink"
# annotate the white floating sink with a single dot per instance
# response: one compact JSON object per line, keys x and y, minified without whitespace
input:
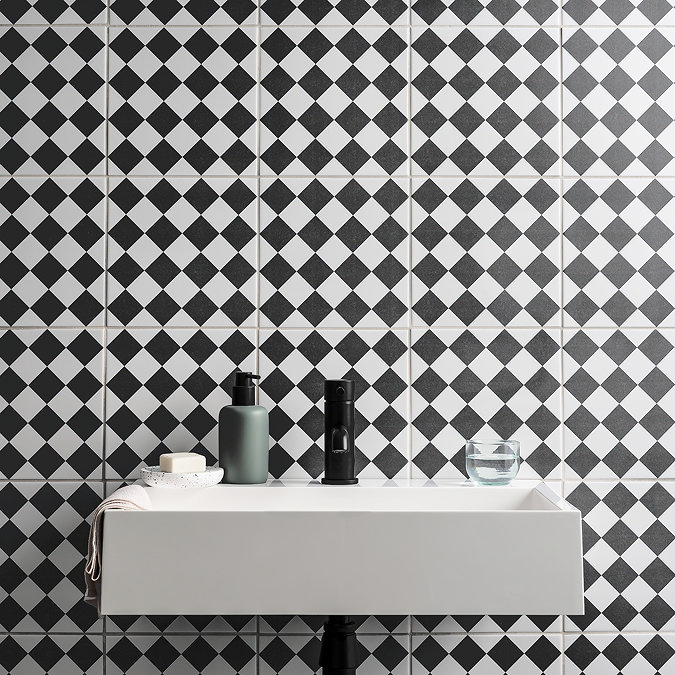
{"x":404,"y":547}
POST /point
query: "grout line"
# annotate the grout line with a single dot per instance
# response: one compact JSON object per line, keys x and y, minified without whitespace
{"x":233,"y":633}
{"x":104,"y":645}
{"x":348,"y":176}
{"x":257,"y":644}
{"x":347,"y":25}
{"x":258,"y":209}
{"x":549,"y":481}
{"x":258,"y":89}
{"x":106,"y":106}
{"x":384,"y":327}
{"x":561,"y":268}
{"x":93,"y":481}
{"x":410,"y":262}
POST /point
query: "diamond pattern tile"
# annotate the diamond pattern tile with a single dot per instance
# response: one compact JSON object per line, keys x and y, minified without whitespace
{"x":182,"y":100}
{"x":619,"y":400}
{"x":485,"y":383}
{"x":43,"y":530}
{"x":52,"y":99}
{"x":484,"y":12}
{"x":597,"y":654}
{"x":182,"y":251}
{"x":629,"y":558}
{"x":487,"y":624}
{"x":287,"y":624}
{"x":293,"y":366}
{"x":164,"y":391}
{"x":618,"y":89}
{"x":166,"y":624}
{"x":487,"y":654}
{"x":618,"y":252}
{"x":182,"y":12}
{"x":51,"y":404}
{"x":299,"y":655}
{"x":52,"y":11}
{"x":51,"y":251}
{"x":334,"y":12}
{"x":51,"y":654}
{"x":334,"y":252}
{"x":333,"y":101}
{"x":180,"y":655}
{"x":485,"y":252}
{"x":485,"y":101}
{"x":617,"y":12}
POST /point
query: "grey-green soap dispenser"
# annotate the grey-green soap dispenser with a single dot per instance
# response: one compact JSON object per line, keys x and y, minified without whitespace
{"x":243,"y":435}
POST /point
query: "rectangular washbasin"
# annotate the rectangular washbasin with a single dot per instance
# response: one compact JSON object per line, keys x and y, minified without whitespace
{"x":408,"y":547}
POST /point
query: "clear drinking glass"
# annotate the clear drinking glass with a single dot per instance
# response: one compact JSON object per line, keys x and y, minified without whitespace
{"x":492,"y":462}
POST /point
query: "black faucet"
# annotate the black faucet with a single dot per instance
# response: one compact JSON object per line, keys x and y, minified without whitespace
{"x":339,"y":433}
{"x":339,"y":647}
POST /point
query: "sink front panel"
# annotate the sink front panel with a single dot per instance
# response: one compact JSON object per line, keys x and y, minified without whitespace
{"x":342,"y":562}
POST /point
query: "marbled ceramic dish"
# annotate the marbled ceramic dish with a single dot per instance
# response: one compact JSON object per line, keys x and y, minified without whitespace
{"x":154,"y":477}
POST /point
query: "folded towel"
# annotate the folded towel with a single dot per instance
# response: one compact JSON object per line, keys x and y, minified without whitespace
{"x":127,"y":498}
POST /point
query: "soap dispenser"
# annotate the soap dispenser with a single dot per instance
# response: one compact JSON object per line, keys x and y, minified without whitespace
{"x":243,"y":435}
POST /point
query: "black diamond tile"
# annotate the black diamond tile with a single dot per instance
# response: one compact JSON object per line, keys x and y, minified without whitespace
{"x":507,"y":256}
{"x":626,"y":541}
{"x":182,"y":12}
{"x":522,"y":400}
{"x":612,"y":421}
{"x":53,"y":270}
{"x":52,"y":422}
{"x":376,"y":359}
{"x":335,"y":251}
{"x":333,"y":100}
{"x":199,"y":123}
{"x":625,"y":119}
{"x":181,"y":359}
{"x":483,"y":653}
{"x":46,"y":12}
{"x":333,"y":12}
{"x":299,"y":654}
{"x":595,"y":654}
{"x":65,"y":64}
{"x":53,"y":653}
{"x":48,"y":597}
{"x":484,"y":100}
{"x":628,"y":283}
{"x":198,"y":246}
{"x":604,"y":12}
{"x":136,"y":654}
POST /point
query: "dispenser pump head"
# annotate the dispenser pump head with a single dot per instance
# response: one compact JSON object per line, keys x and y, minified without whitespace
{"x":243,"y":392}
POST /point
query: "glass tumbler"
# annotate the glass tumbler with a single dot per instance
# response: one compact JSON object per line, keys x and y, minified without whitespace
{"x":492,"y":462}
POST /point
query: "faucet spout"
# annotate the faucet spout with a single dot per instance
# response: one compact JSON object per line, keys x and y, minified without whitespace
{"x":339,"y":433}
{"x":340,"y":439}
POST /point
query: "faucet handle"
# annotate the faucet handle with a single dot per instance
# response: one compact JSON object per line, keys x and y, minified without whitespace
{"x":338,"y":390}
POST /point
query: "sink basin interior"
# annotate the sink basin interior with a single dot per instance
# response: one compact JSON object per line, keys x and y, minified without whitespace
{"x":458,"y":497}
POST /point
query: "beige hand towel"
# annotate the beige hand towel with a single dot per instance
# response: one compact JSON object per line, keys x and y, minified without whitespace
{"x":127,"y":498}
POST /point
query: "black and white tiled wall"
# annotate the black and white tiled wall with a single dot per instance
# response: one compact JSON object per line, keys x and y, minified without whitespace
{"x":465,"y":205}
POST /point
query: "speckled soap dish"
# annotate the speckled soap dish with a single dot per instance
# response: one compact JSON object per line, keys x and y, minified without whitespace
{"x":154,"y":477}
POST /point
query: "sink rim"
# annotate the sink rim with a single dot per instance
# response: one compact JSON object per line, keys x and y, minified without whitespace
{"x":204,"y":499}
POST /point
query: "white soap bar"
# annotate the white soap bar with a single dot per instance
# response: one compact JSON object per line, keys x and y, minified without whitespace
{"x":182,"y":462}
